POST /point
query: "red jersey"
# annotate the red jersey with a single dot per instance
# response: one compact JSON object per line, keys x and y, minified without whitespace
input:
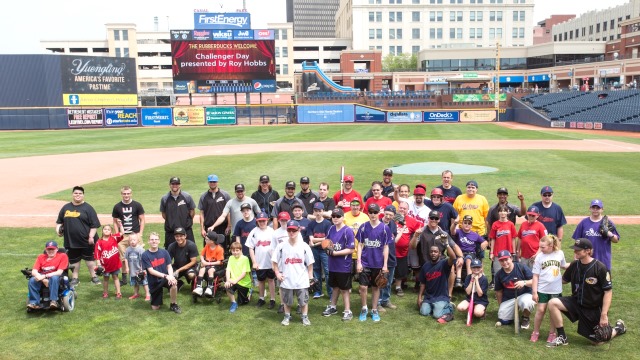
{"x":348,"y":197}
{"x":503,"y":232}
{"x":106,"y":252}
{"x":530,"y":235}
{"x":382,"y":203}
{"x":44,"y":265}
{"x":402,"y":246}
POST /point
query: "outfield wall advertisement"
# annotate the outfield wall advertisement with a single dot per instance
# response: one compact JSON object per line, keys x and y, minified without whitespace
{"x":317,"y":114}
{"x":441,"y":116}
{"x":156,"y":116}
{"x":478,"y":115}
{"x":84,"y":118}
{"x":365,"y":114}
{"x":404,"y":116}
{"x":121,"y":117}
{"x":183,"y":116}
{"x":220,"y":116}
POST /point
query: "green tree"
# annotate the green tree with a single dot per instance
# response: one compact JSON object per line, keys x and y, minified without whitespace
{"x":400,"y":62}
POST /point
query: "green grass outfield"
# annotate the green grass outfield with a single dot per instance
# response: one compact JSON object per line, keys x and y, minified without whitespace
{"x":122,"y":329}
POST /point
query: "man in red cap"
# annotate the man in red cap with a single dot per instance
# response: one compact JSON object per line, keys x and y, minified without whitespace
{"x":47,"y":271}
{"x":344,"y":197}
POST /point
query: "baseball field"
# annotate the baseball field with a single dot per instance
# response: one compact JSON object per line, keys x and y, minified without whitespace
{"x":40,"y":167}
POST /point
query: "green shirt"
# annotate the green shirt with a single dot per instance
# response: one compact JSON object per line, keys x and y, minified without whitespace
{"x":237,"y":266}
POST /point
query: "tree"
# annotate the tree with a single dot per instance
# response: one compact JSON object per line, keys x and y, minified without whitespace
{"x":400,"y":62}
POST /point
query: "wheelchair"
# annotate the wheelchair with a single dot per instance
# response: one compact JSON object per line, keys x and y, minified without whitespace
{"x":219,"y":278}
{"x":66,"y":293}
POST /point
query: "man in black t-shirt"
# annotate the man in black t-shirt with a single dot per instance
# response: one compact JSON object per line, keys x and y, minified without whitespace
{"x":131,"y":214}
{"x":184,"y":255}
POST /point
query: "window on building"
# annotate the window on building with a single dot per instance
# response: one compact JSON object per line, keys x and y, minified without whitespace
{"x":492,"y":33}
{"x":452,"y":33}
{"x":521,"y":15}
{"x":459,"y":33}
{"x":432,"y":16}
{"x":521,"y":33}
{"x":597,"y":27}
{"x":498,"y":15}
{"x":472,"y":33}
{"x":378,"y":16}
{"x":277,"y":69}
{"x":118,"y":52}
{"x":125,"y":35}
{"x":584,"y":31}
{"x":479,"y":33}
{"x":415,"y":49}
{"x":392,"y":34}
{"x":372,"y":16}
{"x":590,"y":29}
{"x":277,"y":52}
{"x":399,"y":34}
{"x":479,"y":15}
{"x":459,"y":16}
{"x":276,"y":34}
{"x":439,"y":16}
{"x":415,"y":16}
{"x":514,"y":33}
{"x":116,"y":35}
{"x":372,"y":34}
{"x":612,"y":23}
{"x":415,"y":33}
{"x":284,"y":34}
{"x":492,"y":16}
{"x":285,"y":52}
{"x":472,"y":16}
{"x":399,"y":16}
{"x":399,"y":50}
{"x":392,"y":50}
{"x":379,"y":34}
{"x":498,"y":33}
{"x":452,"y":16}
{"x":285,"y":69}
{"x":392,"y":16}
{"x":415,"y":1}
{"x":604,"y":26}
{"x":125,"y":52}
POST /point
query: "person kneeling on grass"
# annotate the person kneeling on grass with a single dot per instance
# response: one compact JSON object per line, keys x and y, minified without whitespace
{"x":211,"y":255}
{"x":513,"y":283}
{"x":433,"y":296}
{"x":238,"y":277}
{"x":480,"y":299}
{"x":160,"y":274}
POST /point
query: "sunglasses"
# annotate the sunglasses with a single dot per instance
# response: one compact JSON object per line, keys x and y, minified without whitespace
{"x":239,"y":191}
{"x":291,"y":188}
{"x":434,"y":218}
{"x":467,"y":222}
{"x":292,"y":230}
{"x":547,"y":195}
{"x":374,"y":212}
{"x":336,"y":216}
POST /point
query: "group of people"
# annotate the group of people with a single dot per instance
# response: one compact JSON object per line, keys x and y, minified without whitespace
{"x":297,"y":240}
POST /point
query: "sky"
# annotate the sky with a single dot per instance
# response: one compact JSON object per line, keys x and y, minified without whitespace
{"x":25,"y":23}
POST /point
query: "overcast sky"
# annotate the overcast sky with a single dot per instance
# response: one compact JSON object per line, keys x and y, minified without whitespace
{"x":25,"y":23}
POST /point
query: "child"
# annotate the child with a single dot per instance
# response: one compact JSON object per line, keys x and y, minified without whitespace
{"x":467,"y":241}
{"x":211,"y":255}
{"x":502,"y":237}
{"x":480,"y":299}
{"x":529,"y":235}
{"x":132,"y":255}
{"x":547,"y":280}
{"x":106,"y":252}
{"x":261,"y":244}
{"x":238,"y":277}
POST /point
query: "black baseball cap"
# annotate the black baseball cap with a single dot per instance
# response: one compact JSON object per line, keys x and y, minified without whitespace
{"x":304,"y":180}
{"x":245,"y":206}
{"x":373,"y":208}
{"x":337,"y":212}
{"x":179,"y":230}
{"x":467,"y":218}
{"x":502,"y":190}
{"x":239,"y":187}
{"x":174,"y":180}
{"x":582,"y":244}
{"x":264,"y":178}
{"x":289,"y":185}
{"x":387,"y":172}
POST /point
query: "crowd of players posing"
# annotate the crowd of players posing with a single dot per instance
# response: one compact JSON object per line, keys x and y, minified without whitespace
{"x":283,"y":239}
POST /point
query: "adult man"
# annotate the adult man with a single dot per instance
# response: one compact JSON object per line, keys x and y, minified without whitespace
{"x":589,"y":228}
{"x":265,"y":196}
{"x":388,"y":188}
{"x":178,"y":209}
{"x":514,"y":211}
{"x":449,"y":214}
{"x":475,"y":205}
{"x":343,"y":197}
{"x":418,"y":209}
{"x":131,"y":214}
{"x":46,"y":272}
{"x":551,"y":214}
{"x":354,"y":219}
{"x":157,"y":262}
{"x":431,"y":235}
{"x":511,"y":280}
{"x":408,"y":228}
{"x":307,"y":196}
{"x":317,"y":230}
{"x":377,"y":198}
{"x":433,"y":297}
{"x":286,"y":202}
{"x":373,"y":255}
{"x":401,"y":194}
{"x":327,"y":202}
{"x":233,"y":210}
{"x":185,"y":257}
{"x":211,"y":206}
{"x":529,"y":235}
{"x":590,"y":300}
{"x":78,"y":223}
{"x":450,"y":192}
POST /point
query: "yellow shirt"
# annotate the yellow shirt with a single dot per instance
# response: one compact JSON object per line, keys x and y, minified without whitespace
{"x":354,"y":223}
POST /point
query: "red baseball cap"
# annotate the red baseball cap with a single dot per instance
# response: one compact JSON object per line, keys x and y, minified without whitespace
{"x":348,"y":178}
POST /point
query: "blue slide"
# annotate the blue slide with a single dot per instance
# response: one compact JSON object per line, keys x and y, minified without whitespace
{"x":315,"y":79}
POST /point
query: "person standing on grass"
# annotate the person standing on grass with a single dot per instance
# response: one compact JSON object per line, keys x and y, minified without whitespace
{"x":473,"y":204}
{"x":589,"y":228}
{"x":261,"y":244}
{"x":265,"y":196}
{"x":157,"y":262}
{"x":377,"y":198}
{"x":551,"y":214}
{"x":133,"y":255}
{"x":178,"y":209}
{"x":514,"y":211}
{"x":450,"y":191}
{"x":211,"y":206}
{"x":529,"y":236}
{"x":308,"y":196}
{"x":501,"y":237}
{"x":131,"y":214}
{"x":317,"y":231}
{"x":232,"y":212}
{"x":344,"y":197}
{"x":388,"y":187}
{"x":385,"y":292}
{"x":78,"y":223}
{"x":106,"y":253}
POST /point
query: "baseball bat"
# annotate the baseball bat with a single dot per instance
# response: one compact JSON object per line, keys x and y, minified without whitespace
{"x":516,"y":315}
{"x":473,"y":293}
{"x":341,"y":183}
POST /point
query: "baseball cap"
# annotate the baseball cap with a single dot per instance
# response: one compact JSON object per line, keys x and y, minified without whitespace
{"x":467,"y":218}
{"x":476,"y":263}
{"x":533,"y":210}
{"x":348,"y":178}
{"x":283,"y":215}
{"x":174,"y":180}
{"x":504,"y":254}
{"x":239,"y":187}
{"x":337,"y":212}
{"x":292,"y":224}
{"x":179,"y":230}
{"x":262,"y":216}
{"x":422,"y":186}
{"x":373,"y":208}
{"x":437,"y":192}
{"x":597,"y":203}
{"x":502,"y":190}
{"x":212,"y":235}
{"x":245,"y":206}
{"x":434,"y":213}
{"x":582,"y":244}
{"x":318,"y":206}
{"x":297,"y":205}
{"x":390,"y":208}
{"x":355,"y":202}
{"x":472,"y":182}
{"x":51,"y":245}
{"x":264,"y":178}
{"x":290,"y":185}
{"x":546,"y":189}
{"x":304,"y":180}
{"x":419,"y":191}
{"x":212,"y":177}
{"x":387,"y":172}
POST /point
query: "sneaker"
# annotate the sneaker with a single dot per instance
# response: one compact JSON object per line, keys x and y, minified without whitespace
{"x":198,"y":291}
{"x":234,"y":307}
{"x":551,"y":337}
{"x":363,"y":315}
{"x":147,"y":298}
{"x":620,"y":327}
{"x":175,"y":308}
{"x":33,"y":306}
{"x":458,"y":283}
{"x":118,"y":296}
{"x":524,"y":324}
{"x":208,"y":292}
{"x":281,"y":309}
{"x":317,"y":295}
{"x":375,"y":316}
{"x":272,"y":304}
{"x":445,"y":318}
{"x":105,"y":295}
{"x":381,"y":309}
{"x":534,"y":336}
{"x":299,"y":310}
{"x":285,"y":321}
{"x":74,"y":282}
{"x":329,"y":311}
{"x":306,"y":321}
{"x":347,"y":316}
{"x":492,"y":285}
{"x":95,"y":281}
{"x":260,"y":303}
{"x":53,"y":305}
{"x":399,"y":292}
{"x":558,"y":341}
{"x":134,"y":296}
{"x":389,"y":305}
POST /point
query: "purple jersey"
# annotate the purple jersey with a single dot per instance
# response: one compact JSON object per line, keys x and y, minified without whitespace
{"x":467,"y":241}
{"x":601,"y":245}
{"x":342,"y":239}
{"x":374,"y":240}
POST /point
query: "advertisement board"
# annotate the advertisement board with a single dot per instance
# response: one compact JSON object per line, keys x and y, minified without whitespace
{"x":100,"y":99}
{"x":365,"y":114}
{"x":84,"y":117}
{"x":121,"y":117}
{"x":263,"y":34}
{"x":243,"y":35}
{"x":315,"y":114}
{"x":477,"y":115}
{"x":441,"y":116}
{"x":98,"y":75}
{"x":206,"y":20}
{"x":223,"y":60}
{"x":404,"y":116}
{"x":183,"y":116}
{"x":156,"y":116}
{"x":220,"y":115}
{"x":477,"y":97}
{"x":263,"y":86}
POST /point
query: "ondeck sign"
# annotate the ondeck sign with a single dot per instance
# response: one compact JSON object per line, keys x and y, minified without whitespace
{"x":441,"y":116}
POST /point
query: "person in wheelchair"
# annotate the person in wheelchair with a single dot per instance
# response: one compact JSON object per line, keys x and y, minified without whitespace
{"x":212,"y":255}
{"x":47,"y":271}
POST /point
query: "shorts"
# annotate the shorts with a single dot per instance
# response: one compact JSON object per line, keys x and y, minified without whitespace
{"x":342,"y":281}
{"x":77,"y":254}
{"x":133,"y":281}
{"x":402,"y":268}
{"x":264,"y":274}
{"x":115,"y":272}
{"x":243,"y":293}
{"x":468,"y":255}
{"x":156,"y":292}
{"x":544,"y":298}
{"x":289,"y":295}
{"x":414,"y":260}
{"x":185,"y":274}
{"x":123,"y":245}
{"x":368,"y":277}
{"x":587,"y":318}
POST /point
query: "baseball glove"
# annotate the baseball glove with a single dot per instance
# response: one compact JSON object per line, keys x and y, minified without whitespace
{"x":603,"y":333}
{"x":605,"y":226}
{"x":99,"y":271}
{"x":326,"y":243}
{"x":381,"y":280}
{"x":399,"y":218}
{"x":443,"y":238}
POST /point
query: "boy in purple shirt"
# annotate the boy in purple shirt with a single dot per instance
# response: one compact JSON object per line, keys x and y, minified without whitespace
{"x":467,"y":241}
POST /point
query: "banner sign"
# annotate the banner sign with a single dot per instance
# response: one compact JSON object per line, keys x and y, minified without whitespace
{"x":221,"y":21}
{"x":316,"y":114}
{"x":365,"y":114}
{"x":181,"y":35}
{"x":220,"y":115}
{"x":84,"y":117}
{"x":243,"y":35}
{"x":477,"y":97}
{"x":156,"y":117}
{"x":98,"y":75}
{"x":121,"y":117}
{"x":441,"y":116}
{"x":404,"y":116}
{"x":188,"y":116}
{"x":478,"y":115}
{"x":263,"y":34}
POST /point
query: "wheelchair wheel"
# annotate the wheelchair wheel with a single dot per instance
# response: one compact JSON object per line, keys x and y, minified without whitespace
{"x":68,"y":301}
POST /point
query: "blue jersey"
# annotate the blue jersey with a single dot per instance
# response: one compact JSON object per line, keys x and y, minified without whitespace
{"x":243,"y":229}
{"x":552,"y":218}
{"x":506,"y":282}
{"x":159,"y":261}
{"x":318,"y":229}
{"x":435,"y":277}
{"x":484,"y":286}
